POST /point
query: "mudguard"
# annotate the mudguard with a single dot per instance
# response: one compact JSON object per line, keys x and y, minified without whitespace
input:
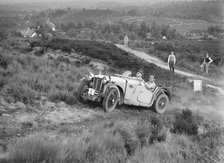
{"x":110,"y":85}
{"x":161,"y":90}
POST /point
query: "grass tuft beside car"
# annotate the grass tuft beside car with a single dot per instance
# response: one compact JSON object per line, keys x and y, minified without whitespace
{"x":118,"y":89}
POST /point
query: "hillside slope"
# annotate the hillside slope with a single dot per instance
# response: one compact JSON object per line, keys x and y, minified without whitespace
{"x":164,"y":65}
{"x":211,"y":11}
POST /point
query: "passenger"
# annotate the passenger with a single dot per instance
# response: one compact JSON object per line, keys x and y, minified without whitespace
{"x":139,"y":74}
{"x":151,"y":83}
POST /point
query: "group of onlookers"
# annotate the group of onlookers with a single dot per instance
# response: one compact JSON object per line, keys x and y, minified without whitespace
{"x":172,"y":59}
{"x":204,"y":66}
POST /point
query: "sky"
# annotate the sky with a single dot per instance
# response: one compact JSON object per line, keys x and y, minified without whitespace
{"x":82,"y":1}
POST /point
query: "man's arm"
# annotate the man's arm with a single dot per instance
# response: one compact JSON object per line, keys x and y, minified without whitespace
{"x":150,"y":85}
{"x":168,"y":59}
{"x":210,"y":60}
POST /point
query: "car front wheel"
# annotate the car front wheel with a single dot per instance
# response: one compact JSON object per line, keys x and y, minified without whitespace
{"x":82,"y":91}
{"x":161,"y":103}
{"x":110,"y":100}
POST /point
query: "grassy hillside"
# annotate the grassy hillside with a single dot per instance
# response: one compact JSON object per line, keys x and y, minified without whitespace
{"x":190,"y":53}
{"x":148,"y":140}
{"x":115,"y":57}
{"x":211,"y":11}
{"x":80,"y":15}
{"x":124,"y":135}
{"x":25,"y":77}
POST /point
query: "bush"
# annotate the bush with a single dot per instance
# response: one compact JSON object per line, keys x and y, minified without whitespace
{"x":150,"y":131}
{"x":143,"y":133}
{"x":186,"y":123}
{"x":67,"y":97}
{"x":4,"y":61}
{"x":164,"y":46}
{"x":178,"y":149}
{"x":210,"y":142}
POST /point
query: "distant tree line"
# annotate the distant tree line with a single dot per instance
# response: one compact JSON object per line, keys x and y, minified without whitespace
{"x":115,"y":31}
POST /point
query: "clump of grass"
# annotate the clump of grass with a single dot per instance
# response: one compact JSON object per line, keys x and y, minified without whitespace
{"x":143,"y":133}
{"x":105,"y":147}
{"x":179,"y":149}
{"x":130,"y":143}
{"x":33,"y":149}
{"x":72,"y":150}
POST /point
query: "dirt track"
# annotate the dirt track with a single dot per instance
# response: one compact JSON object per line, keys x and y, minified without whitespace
{"x":209,"y":82}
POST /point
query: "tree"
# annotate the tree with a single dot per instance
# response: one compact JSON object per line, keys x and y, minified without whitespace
{"x":90,"y":24}
{"x":143,"y":30}
{"x":155,"y":31}
{"x":132,"y":12}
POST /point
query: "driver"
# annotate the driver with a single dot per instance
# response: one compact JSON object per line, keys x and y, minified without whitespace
{"x":139,"y":74}
{"x":151,"y":83}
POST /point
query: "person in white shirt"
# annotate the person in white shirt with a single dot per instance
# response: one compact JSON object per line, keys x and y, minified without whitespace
{"x":151,"y":83}
{"x":206,"y":63}
{"x":172,"y":61}
{"x":126,"y":41}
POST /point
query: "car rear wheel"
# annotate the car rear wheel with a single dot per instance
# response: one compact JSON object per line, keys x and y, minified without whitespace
{"x":82,"y":91}
{"x":161,"y":103}
{"x":110,"y":100}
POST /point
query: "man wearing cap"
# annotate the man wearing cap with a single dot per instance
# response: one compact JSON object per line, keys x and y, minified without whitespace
{"x":139,"y":74}
{"x":151,"y":83}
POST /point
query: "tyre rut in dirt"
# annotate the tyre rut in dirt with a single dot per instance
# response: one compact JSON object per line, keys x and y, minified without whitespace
{"x":161,"y":103}
{"x":110,"y":100}
{"x":82,"y":91}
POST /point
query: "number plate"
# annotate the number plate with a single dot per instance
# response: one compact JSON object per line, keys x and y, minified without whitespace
{"x":91,"y":91}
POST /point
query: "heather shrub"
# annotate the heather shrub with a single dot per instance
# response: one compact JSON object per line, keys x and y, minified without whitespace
{"x":4,"y":60}
{"x":178,"y":149}
{"x":186,"y":123}
{"x":210,"y":142}
{"x":26,"y":77}
{"x":143,"y":132}
{"x":150,"y":130}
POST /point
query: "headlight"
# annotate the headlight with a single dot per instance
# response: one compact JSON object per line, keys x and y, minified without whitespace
{"x":104,"y":80}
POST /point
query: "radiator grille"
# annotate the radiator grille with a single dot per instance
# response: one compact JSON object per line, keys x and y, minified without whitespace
{"x":97,"y":83}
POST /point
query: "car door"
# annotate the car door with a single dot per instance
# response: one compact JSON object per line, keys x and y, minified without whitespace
{"x":132,"y":90}
{"x":145,"y":95}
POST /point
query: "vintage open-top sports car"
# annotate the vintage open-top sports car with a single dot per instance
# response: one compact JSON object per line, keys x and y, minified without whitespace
{"x":122,"y":89}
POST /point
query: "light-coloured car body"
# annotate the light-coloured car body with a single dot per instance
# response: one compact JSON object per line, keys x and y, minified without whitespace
{"x":131,"y":90}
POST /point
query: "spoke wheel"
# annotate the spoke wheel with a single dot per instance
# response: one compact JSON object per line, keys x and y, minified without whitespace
{"x":82,"y":91}
{"x":161,"y":103}
{"x":110,"y":100}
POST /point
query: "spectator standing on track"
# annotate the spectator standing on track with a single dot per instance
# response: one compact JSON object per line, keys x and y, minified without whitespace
{"x":206,"y":63}
{"x":171,"y":61}
{"x":126,"y":41}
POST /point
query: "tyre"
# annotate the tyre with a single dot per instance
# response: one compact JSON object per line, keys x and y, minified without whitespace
{"x":82,"y":91}
{"x":161,"y":103}
{"x":110,"y":100}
